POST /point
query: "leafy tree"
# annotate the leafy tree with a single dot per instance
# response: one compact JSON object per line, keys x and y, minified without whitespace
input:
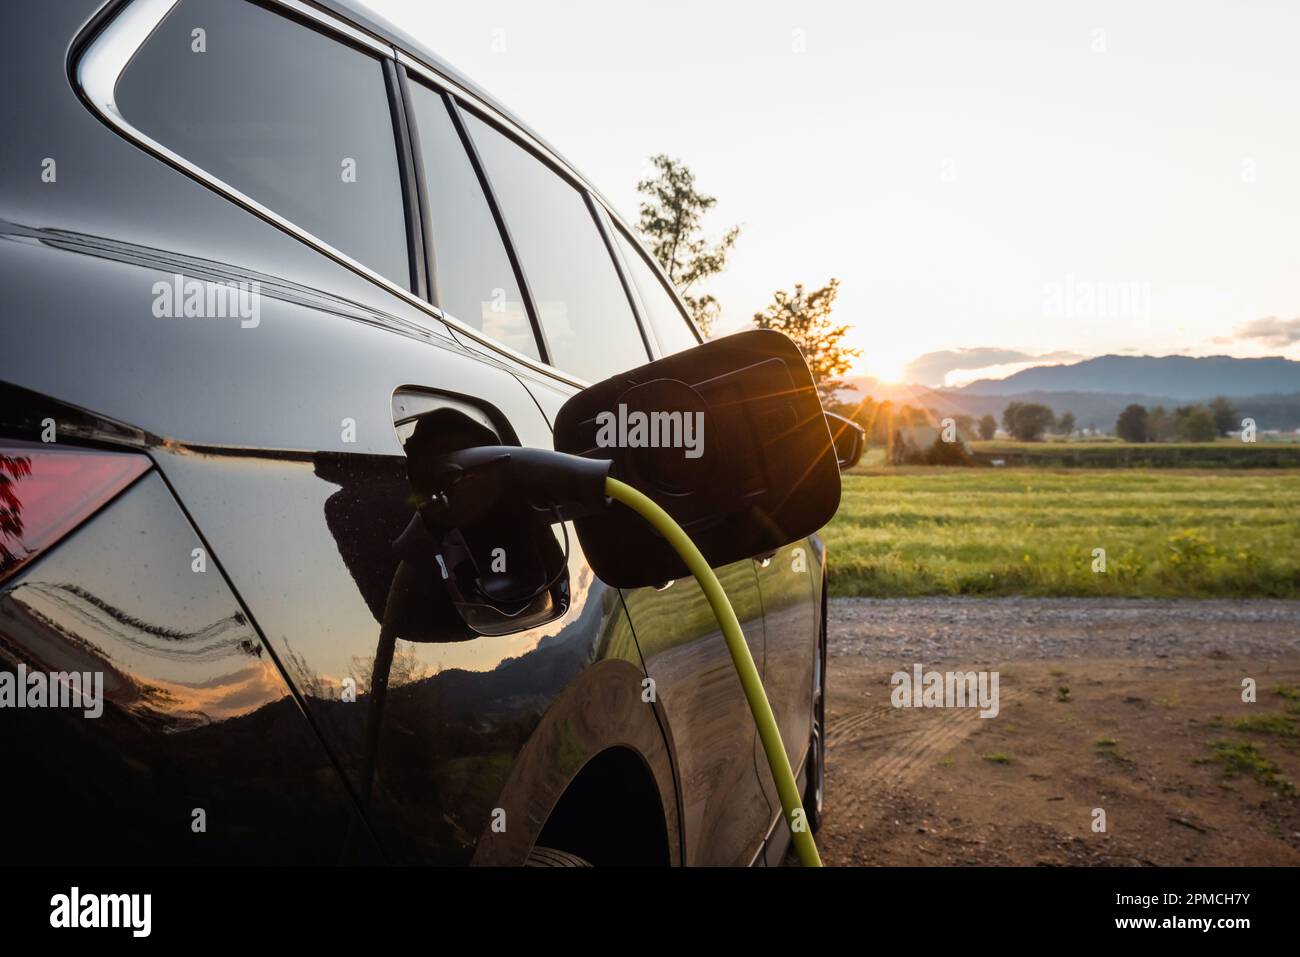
{"x":1226,"y":416}
{"x":1131,"y":426}
{"x":938,"y":452}
{"x":965,"y":426}
{"x":806,"y":318}
{"x":671,"y":223}
{"x":1027,"y":421}
{"x":1195,"y":424}
{"x":1065,"y":424}
{"x":988,"y":427}
{"x":1161,"y":425}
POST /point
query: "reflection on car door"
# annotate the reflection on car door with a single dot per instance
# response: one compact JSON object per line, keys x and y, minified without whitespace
{"x":725,"y":812}
{"x":785,"y":581}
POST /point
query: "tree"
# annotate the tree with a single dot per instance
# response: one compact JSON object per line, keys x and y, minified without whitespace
{"x":988,"y":427}
{"x":1195,"y":424}
{"x":806,"y":318}
{"x":1226,"y":417}
{"x":1065,"y":424}
{"x":1027,"y":421}
{"x":1131,"y":426}
{"x":671,"y":223}
{"x":1161,"y":426}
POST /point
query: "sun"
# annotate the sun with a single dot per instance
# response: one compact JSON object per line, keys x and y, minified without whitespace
{"x":886,"y":370}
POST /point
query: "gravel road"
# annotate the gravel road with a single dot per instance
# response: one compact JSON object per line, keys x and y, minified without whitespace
{"x":1112,"y":704}
{"x":935,"y":630}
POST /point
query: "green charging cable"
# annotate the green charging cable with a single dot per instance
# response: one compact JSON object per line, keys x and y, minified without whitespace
{"x":740,"y":657}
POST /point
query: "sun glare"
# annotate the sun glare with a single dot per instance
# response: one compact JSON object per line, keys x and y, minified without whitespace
{"x":886,"y":370}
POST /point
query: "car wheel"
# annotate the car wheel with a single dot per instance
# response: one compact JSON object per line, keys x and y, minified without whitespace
{"x":814,"y":797}
{"x":550,"y":857}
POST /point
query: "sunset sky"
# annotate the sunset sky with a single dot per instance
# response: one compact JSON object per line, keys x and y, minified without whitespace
{"x":992,"y":183}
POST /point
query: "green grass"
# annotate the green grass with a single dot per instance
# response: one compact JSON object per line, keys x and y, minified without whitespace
{"x":1242,"y":759}
{"x":1178,"y":534}
{"x":1278,"y":724}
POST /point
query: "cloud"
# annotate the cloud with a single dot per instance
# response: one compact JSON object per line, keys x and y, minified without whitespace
{"x":1271,"y":331}
{"x":958,"y":366}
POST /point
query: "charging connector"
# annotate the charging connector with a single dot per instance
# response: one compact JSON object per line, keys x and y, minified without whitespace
{"x":459,"y":488}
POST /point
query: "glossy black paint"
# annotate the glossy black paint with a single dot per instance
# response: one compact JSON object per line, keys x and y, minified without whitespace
{"x":275,"y":451}
{"x":748,"y":468}
{"x":197,"y":718}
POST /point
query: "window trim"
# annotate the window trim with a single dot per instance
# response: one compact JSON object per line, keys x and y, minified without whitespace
{"x":620,"y":267}
{"x":503,"y":227}
{"x":413,"y":198}
{"x":521,"y":135}
{"x":589,"y":200}
{"x":101,"y":55}
{"x":657,"y":271}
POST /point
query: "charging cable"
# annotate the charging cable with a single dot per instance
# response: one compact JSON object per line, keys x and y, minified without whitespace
{"x":768,"y":732}
{"x":462,"y":485}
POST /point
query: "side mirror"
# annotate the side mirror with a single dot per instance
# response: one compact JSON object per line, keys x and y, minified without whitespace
{"x":850,"y":440}
{"x":729,"y":438}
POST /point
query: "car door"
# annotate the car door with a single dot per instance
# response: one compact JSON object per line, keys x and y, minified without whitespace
{"x":580,"y":305}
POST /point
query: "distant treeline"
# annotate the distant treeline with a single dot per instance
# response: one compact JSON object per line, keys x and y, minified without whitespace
{"x":1186,"y":423}
{"x":1184,"y":437}
{"x":1112,"y":455}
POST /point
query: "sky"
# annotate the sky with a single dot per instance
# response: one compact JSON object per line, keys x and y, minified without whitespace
{"x":995,"y":185}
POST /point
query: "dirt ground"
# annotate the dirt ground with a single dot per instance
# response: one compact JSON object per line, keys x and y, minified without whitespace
{"x":1116,"y":705}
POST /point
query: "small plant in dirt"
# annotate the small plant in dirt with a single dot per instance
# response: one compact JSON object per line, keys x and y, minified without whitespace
{"x":1291,"y":694}
{"x":1106,"y":743}
{"x":1063,"y":693}
{"x":1279,"y":724}
{"x":1241,"y":758}
{"x":997,"y":757}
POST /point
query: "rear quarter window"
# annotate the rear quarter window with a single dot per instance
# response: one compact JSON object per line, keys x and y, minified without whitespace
{"x":286,"y":115}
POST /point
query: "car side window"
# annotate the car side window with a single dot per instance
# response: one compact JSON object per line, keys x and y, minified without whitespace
{"x":586,"y":319}
{"x":474,"y":279}
{"x":293,"y":119}
{"x":670,"y":325}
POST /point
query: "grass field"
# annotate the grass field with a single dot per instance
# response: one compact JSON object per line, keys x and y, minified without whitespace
{"x":1011,"y":531}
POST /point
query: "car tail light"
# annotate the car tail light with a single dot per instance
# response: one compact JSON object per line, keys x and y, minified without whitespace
{"x":46,"y":492}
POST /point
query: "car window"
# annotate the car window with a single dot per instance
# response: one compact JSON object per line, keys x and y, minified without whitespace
{"x":475,"y":281}
{"x":585,"y":315}
{"x":293,"y":119}
{"x":670,"y":325}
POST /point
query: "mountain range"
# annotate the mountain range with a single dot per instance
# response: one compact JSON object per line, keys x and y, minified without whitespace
{"x":1181,"y":377}
{"x":1097,"y":390}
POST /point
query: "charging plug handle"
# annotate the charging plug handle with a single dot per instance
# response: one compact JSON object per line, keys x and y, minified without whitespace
{"x":461,"y":486}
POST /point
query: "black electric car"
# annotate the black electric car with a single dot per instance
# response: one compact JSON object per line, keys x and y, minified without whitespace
{"x":250,"y":252}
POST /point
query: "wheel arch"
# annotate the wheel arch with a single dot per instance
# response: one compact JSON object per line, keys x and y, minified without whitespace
{"x":599,"y":746}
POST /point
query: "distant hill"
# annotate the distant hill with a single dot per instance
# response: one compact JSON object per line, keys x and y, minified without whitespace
{"x":1095,"y":407}
{"x":1182,"y":378}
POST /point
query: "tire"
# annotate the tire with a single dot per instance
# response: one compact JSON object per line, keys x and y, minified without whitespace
{"x":814,"y":796}
{"x":550,"y":857}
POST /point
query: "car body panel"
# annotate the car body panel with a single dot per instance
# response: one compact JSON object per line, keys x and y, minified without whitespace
{"x":201,"y":754}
